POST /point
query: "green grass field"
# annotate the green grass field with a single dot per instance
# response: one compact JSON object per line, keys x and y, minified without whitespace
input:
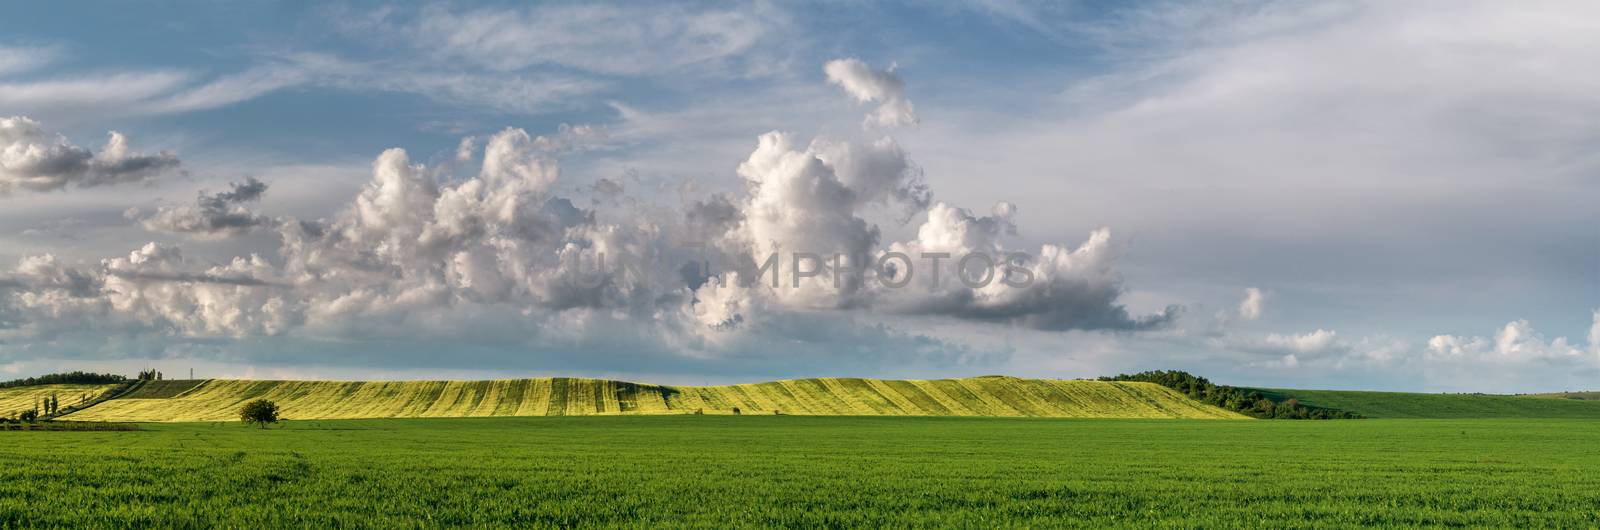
{"x":212,"y":400}
{"x":1579,"y":396}
{"x":808,"y":472}
{"x":1410,"y":405}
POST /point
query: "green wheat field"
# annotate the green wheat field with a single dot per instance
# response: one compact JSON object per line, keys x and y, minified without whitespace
{"x":809,"y":472}
{"x":1483,"y":462}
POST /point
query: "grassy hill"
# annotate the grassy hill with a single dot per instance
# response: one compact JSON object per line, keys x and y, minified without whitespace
{"x":1577,"y":396}
{"x":14,"y":400}
{"x":1412,"y":405}
{"x":215,"y":400}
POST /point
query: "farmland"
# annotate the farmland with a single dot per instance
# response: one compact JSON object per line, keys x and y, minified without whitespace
{"x":212,"y":400}
{"x":794,"y":471}
{"x":17,"y":399}
{"x":160,"y":389}
{"x":1411,"y":405}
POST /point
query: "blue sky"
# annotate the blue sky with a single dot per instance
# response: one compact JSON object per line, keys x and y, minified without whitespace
{"x":1342,"y":194}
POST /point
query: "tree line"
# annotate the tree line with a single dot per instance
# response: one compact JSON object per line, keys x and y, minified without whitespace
{"x":69,"y":378}
{"x":1242,"y":400}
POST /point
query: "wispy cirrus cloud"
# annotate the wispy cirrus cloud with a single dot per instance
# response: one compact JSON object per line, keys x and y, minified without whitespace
{"x":132,"y":94}
{"x":621,"y":40}
{"x":114,"y":92}
{"x":20,"y":59}
{"x":519,"y":60}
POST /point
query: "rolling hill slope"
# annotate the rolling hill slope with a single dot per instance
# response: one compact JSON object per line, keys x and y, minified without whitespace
{"x":167,"y":388}
{"x":1412,"y":405}
{"x":14,"y":400}
{"x":1576,"y":396}
{"x":216,"y":400}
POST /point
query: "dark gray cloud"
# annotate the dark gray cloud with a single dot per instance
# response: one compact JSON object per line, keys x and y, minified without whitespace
{"x":192,"y":277}
{"x":248,"y":191}
{"x":214,"y":215}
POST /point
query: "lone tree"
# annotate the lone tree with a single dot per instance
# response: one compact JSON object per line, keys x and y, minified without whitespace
{"x":260,"y":412}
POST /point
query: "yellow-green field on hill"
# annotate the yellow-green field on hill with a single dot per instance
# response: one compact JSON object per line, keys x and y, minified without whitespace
{"x":17,"y":399}
{"x":216,"y":400}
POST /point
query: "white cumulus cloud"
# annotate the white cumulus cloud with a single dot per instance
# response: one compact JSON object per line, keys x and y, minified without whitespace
{"x":1250,"y":307}
{"x":32,"y":158}
{"x":1594,"y":334}
{"x":868,"y":85}
{"x":1516,"y":341}
{"x":1312,"y":342}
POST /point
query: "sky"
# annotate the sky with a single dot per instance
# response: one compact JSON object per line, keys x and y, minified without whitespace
{"x":1355,"y":195}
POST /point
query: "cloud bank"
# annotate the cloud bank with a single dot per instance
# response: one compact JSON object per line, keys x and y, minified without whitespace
{"x":499,"y":257}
